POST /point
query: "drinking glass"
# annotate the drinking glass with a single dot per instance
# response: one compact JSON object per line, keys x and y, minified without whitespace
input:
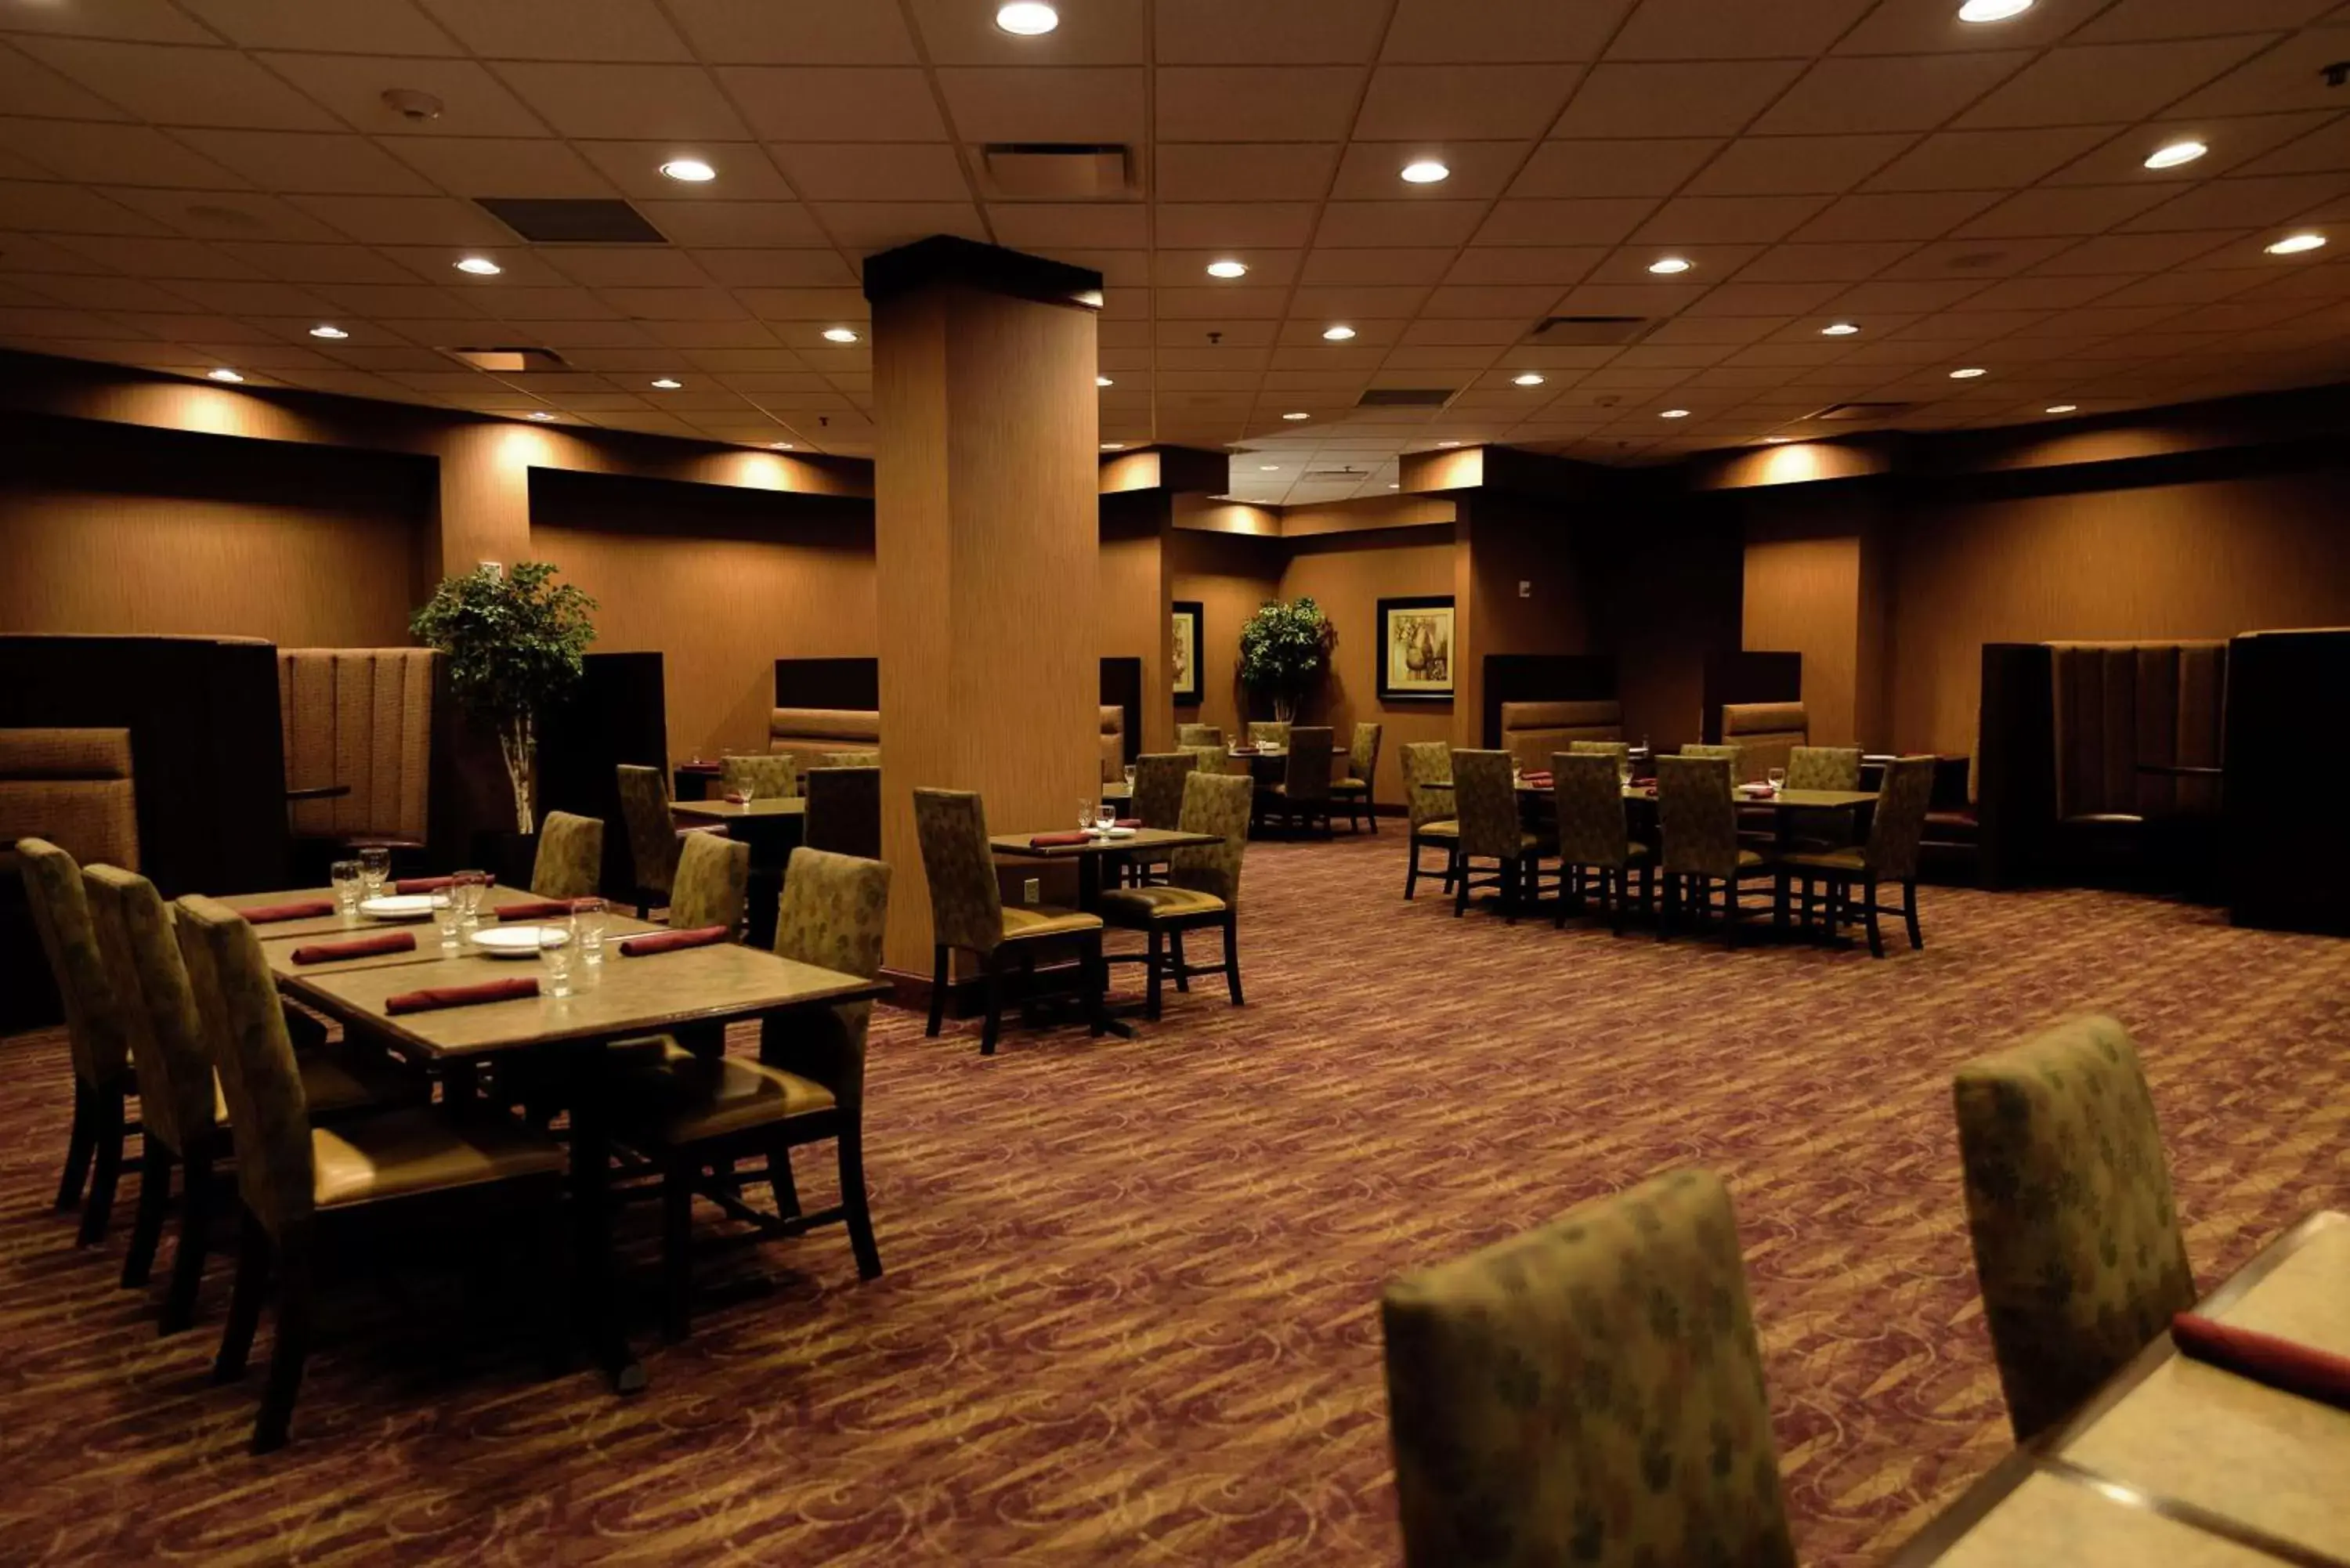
{"x":449,"y":914}
{"x":1623,"y":771}
{"x":375,"y":866}
{"x":345,"y":875}
{"x":1105,"y":817}
{"x":1130,"y":781}
{"x":588,"y":929}
{"x":1777,"y":777}
{"x":467,"y":888}
{"x":1088,"y":809}
{"x":744,"y":790}
{"x":556,"y":946}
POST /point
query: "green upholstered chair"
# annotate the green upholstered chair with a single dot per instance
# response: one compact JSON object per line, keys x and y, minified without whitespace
{"x":1890,"y":854}
{"x":1620,"y":751}
{"x":2077,"y":1234}
{"x":1202,"y":888}
{"x":407,"y":1171}
{"x":1590,"y":1392}
{"x":1595,"y":835}
{"x":844,"y":809}
{"x":1268,"y":732}
{"x":1212,"y":759}
{"x":1354,"y":791}
{"x":968,"y":914}
{"x":1734,"y":755}
{"x":1428,"y":812}
{"x":1698,"y":829}
{"x":95,"y":1032}
{"x":1485,"y":794}
{"x":1199,"y":735}
{"x":653,"y":839}
{"x":1824,"y":767}
{"x":768,"y":775}
{"x":712,"y":887}
{"x":696,"y":1118}
{"x":1159,"y":779}
{"x":1302,"y":798}
{"x":570,"y":862}
{"x":852,"y":759}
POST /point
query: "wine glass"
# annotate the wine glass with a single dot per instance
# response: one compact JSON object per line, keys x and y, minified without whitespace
{"x":375,"y":866}
{"x":344,"y":877}
{"x":1105,"y":817}
{"x":1623,"y":771}
{"x":1777,"y":777}
{"x":1130,"y":781}
{"x":744,"y":790}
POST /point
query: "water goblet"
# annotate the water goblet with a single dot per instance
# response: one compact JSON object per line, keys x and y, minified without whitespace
{"x":1105,"y":817}
{"x":344,"y":877}
{"x":1777,"y":778}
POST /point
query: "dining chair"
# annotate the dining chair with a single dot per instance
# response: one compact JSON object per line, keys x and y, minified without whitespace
{"x":653,"y":841}
{"x":95,"y":1034}
{"x":1491,"y":829}
{"x":1889,"y":854}
{"x":1362,"y":770}
{"x":1619,"y":752}
{"x":1203,"y":889}
{"x":769,"y":775}
{"x":1698,"y":828}
{"x":1158,"y":781}
{"x":1429,"y":814}
{"x":694,"y":1119}
{"x":570,"y":860}
{"x":1199,"y":735}
{"x":1734,"y":755}
{"x":180,"y":1114}
{"x":1824,"y":767}
{"x":1590,"y":1392}
{"x":1268,"y":732}
{"x":1303,"y":795}
{"x":1212,"y":759}
{"x":307,"y":1190}
{"x":968,"y":914}
{"x":713,"y":887}
{"x":1596,"y":835}
{"x":864,"y":759}
{"x":2076,"y":1236}
{"x":844,"y":809}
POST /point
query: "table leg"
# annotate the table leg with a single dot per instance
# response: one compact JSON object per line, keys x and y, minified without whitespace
{"x":591,"y":1197}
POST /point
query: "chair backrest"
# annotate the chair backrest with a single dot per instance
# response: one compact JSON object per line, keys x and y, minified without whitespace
{"x":362,"y":718}
{"x":1427,"y":763}
{"x":1363,"y":755}
{"x":1764,"y":734}
{"x":851,"y":760}
{"x":2076,"y":1235}
{"x":713,"y":886}
{"x":2118,"y":706}
{"x":95,"y":1032}
{"x":1530,"y":731}
{"x":1486,"y":798}
{"x":832,"y":914}
{"x":1695,"y":816}
{"x":1199,"y":735}
{"x":966,"y":903}
{"x":773,"y":775}
{"x":1590,"y":1392}
{"x":1268,"y":732}
{"x":570,"y":862}
{"x":652,"y":831}
{"x":1592,"y":827}
{"x":1158,"y":784}
{"x":844,"y":810}
{"x":1621,"y":751}
{"x":1741,"y":767}
{"x":71,"y":788}
{"x":1209,"y":759}
{"x":805,"y":734}
{"x":1824,"y":767}
{"x":1307,"y":776}
{"x":1113,"y":743}
{"x":156,"y":1004}
{"x":269,"y":1116}
{"x":1217,"y":803}
{"x":1898,"y":826}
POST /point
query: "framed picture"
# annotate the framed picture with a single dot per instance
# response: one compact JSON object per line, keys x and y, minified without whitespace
{"x":1416,"y":650}
{"x":1185,"y":669}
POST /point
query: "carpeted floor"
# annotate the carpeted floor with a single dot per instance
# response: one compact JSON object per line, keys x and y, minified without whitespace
{"x":1130,"y":1312}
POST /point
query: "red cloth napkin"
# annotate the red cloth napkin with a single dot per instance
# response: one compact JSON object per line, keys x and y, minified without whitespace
{"x":459,"y":995}
{"x":263,"y":914}
{"x":670,"y":941}
{"x":428,"y":884}
{"x":1539,"y":781}
{"x":537,"y":909}
{"x":1245,"y":751}
{"x":2285,"y":1363}
{"x":736,"y":797}
{"x":1047,"y":840}
{"x":1128,"y":822}
{"x":363,"y":947}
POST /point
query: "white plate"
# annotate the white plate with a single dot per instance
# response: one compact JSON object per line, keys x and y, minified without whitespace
{"x":519,"y":941}
{"x":1120,"y":832}
{"x":400,"y":907}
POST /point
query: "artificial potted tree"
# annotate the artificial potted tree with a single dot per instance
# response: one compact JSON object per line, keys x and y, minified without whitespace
{"x":1285,"y":653}
{"x":515,"y":643}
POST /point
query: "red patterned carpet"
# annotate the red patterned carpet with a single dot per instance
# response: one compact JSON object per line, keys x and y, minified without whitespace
{"x":1131,"y":1309}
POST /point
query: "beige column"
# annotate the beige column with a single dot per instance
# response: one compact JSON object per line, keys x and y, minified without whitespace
{"x":985,"y":542}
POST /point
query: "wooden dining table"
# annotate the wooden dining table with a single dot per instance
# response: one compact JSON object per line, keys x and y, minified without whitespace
{"x":2178,"y":1462}
{"x":772,"y":825}
{"x":1093,"y":859}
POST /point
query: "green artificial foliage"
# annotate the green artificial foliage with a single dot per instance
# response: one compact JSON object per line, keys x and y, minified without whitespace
{"x":516,"y":644}
{"x":1285,"y":652}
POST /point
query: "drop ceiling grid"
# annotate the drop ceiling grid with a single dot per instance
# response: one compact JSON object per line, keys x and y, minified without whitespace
{"x":1781,"y":204}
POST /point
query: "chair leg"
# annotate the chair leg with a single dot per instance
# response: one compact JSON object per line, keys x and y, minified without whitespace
{"x":253,"y":1260}
{"x":1909,"y":911}
{"x":938,"y":990}
{"x":1666,"y":899}
{"x":1623,"y":896}
{"x":785,"y":1190}
{"x":1410,"y":864}
{"x":1558,"y":909}
{"x":1730,"y":909}
{"x":105,"y":1168}
{"x":1810,"y":888}
{"x":1460,"y":887}
{"x":853,"y":1204}
{"x":1182,"y":964}
{"x":297,"y":1306}
{"x":147,"y":1225}
{"x":1868,"y":915}
{"x":994,"y":1027}
{"x":1779,"y":887}
{"x":1232,"y":957}
{"x":80,"y":1143}
{"x":1154,"y":964}
{"x":195,"y":1240}
{"x":677,"y":1247}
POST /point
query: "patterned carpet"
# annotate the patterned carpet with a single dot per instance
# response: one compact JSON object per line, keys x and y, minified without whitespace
{"x":1129,"y":1315}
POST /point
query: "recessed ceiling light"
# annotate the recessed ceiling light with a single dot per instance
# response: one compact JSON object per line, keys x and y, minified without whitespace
{"x":1993,"y":10}
{"x":2178,"y":153}
{"x":1776,"y":440}
{"x":1268,"y":468}
{"x":1297,"y":416}
{"x":1447,"y":443}
{"x":1395,"y":487}
{"x":779,"y":446}
{"x":1967,"y":373}
{"x":1669,"y":264}
{"x":2293,"y":244}
{"x":1337,"y":334}
{"x":1838,"y":329}
{"x":1674,"y":414}
{"x":223,"y":374}
{"x":480,"y":267}
{"x":1104,"y":381}
{"x":2060,"y":408}
{"x":540,"y":415}
{"x":1426,"y":171}
{"x":1531,"y":379}
{"x":323,"y":330}
{"x":839,"y":335}
{"x":1028,"y":18}
{"x":669,"y":383}
{"x":1227,"y":269}
{"x":692,"y":171}
{"x":1113,"y":446}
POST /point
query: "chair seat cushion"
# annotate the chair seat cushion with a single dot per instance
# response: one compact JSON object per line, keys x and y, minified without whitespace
{"x":696,"y":1099}
{"x":1349,"y":787}
{"x":336,"y":1083}
{"x":1849,"y":861}
{"x":401,"y":1153}
{"x":1144,"y":905}
{"x":1023,"y":921}
{"x":1446,"y":828}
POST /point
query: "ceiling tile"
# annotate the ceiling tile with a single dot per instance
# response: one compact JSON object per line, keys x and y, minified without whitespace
{"x":501,"y":166}
{"x":1095,"y":104}
{"x":760,"y":268}
{"x":1729,"y":220}
{"x":1462,"y":102}
{"x":1963,"y":258}
{"x":1764,"y":298}
{"x":1889,"y":297}
{"x":29,"y":87}
{"x":1715,"y":98}
{"x":2286,"y":77}
{"x":286,"y":160}
{"x":2039,"y":293}
{"x":1246,"y":172}
{"x":172,"y":86}
{"x":1708,"y":30}
{"x":407,"y":220}
{"x":352,"y":86}
{"x":1398,"y":222}
{"x":1451,"y":32}
{"x":1490,"y":301}
{"x":2132,"y":252}
{"x":1253,"y":103}
{"x":2129,"y":21}
{"x":2089,"y":84}
{"x":869,"y":226}
{"x":1623,"y":168}
{"x":1555,"y":265}
{"x":733,"y":223}
{"x":1052,"y":226}
{"x":800,"y":103}
{"x":1912,"y":93}
{"x":658,"y":102}
{"x":1986,"y":159}
{"x":1895,"y":215}
{"x":317,"y":263}
{"x":351,"y":27}
{"x":872,"y":170}
{"x":1384,"y":266}
{"x":1243,"y":32}
{"x":622,"y":30}
{"x":1844,"y":262}
{"x":104,"y":153}
{"x":2246,"y":202}
{"x":2074,"y":210}
{"x":795,"y":32}
{"x":614,"y":266}
{"x":1796,"y":165}
{"x":1587,"y":223}
{"x":68,"y":209}
{"x":1230,"y":227}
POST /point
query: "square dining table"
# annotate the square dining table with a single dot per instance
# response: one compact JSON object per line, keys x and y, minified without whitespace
{"x":1093,"y":859}
{"x":772,"y":825}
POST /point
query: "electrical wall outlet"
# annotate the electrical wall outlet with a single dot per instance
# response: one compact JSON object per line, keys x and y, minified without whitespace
{"x":1032,"y":892}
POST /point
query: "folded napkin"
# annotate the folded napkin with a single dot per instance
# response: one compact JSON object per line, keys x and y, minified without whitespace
{"x":1047,"y":840}
{"x":670,"y":941}
{"x":1129,"y":822}
{"x":310,"y":909}
{"x":362,"y":947}
{"x":1539,"y":781}
{"x":459,"y":995}
{"x":2285,"y":1363}
{"x":537,"y":909}
{"x":1245,"y":751}
{"x":428,"y":884}
{"x":736,"y":797}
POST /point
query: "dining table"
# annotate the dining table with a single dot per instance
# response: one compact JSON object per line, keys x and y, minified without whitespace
{"x":772,"y":825}
{"x":1094,"y":858}
{"x":2176,"y":1460}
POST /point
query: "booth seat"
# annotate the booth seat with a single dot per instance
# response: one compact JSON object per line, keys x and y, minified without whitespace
{"x":1764,"y":734}
{"x":809,"y":733}
{"x":1530,"y":731}
{"x":358,"y":720}
{"x":2132,"y":719}
{"x":1113,"y":743}
{"x":72,"y":787}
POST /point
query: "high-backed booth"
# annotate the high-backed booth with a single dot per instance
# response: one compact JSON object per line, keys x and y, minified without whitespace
{"x":1765,"y":733}
{"x":1530,"y":731}
{"x":356,"y":724}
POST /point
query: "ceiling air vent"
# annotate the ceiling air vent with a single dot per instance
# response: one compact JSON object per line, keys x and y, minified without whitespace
{"x":1591,"y":331}
{"x":572,"y":222}
{"x":1406,"y":396}
{"x":509,"y":361}
{"x":1056,"y":171}
{"x":1848,"y":411}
